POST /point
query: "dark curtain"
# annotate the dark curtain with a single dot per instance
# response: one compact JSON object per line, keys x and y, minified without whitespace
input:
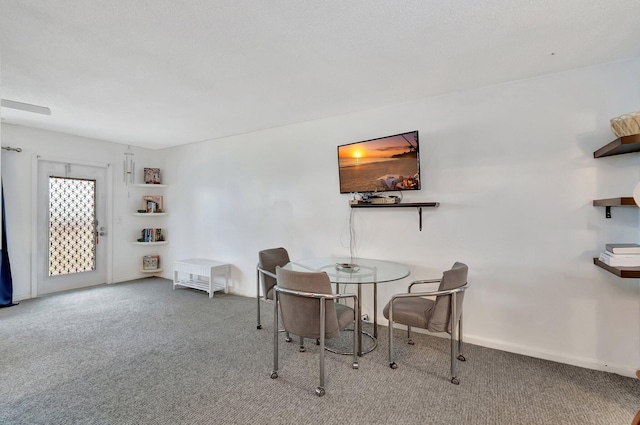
{"x":6,"y":281}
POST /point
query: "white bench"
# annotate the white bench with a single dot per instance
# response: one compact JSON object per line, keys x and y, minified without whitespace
{"x":199,"y":274}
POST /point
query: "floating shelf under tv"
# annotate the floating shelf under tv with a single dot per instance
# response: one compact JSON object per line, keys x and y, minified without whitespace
{"x":418,"y":205}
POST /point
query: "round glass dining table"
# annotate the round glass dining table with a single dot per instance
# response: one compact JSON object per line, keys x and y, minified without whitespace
{"x":358,"y":271}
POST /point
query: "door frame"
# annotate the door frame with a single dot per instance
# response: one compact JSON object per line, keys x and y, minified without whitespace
{"x":34,"y":214}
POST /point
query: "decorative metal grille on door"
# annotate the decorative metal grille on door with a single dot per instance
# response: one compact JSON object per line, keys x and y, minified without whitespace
{"x":72,"y":225}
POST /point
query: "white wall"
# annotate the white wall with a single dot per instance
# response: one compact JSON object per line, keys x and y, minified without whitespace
{"x":513,"y":168}
{"x":17,"y":176}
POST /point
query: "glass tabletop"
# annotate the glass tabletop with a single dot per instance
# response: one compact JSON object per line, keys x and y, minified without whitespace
{"x":352,"y":270}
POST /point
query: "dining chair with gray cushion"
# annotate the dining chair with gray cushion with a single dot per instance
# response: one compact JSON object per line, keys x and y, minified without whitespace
{"x":268,"y":260}
{"x":309,"y":309}
{"x":444,"y":314}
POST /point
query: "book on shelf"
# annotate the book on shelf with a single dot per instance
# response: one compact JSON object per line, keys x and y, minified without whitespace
{"x":620,"y":260}
{"x":623,"y":248}
{"x":612,"y":255}
{"x":151,"y":235}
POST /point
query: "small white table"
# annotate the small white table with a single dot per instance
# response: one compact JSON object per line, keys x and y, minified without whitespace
{"x":199,"y":273}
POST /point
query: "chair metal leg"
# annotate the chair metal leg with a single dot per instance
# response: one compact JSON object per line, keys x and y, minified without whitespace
{"x":320,"y":390}
{"x":287,"y":337}
{"x":454,"y":331}
{"x":461,"y":356}
{"x":409,"y":339}
{"x":392,"y":364}
{"x":274,"y":372}
{"x":258,"y":296}
{"x":302,"y":349}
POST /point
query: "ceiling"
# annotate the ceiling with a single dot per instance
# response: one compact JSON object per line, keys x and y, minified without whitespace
{"x":161,"y":73}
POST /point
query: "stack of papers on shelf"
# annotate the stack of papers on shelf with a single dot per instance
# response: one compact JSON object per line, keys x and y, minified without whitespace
{"x":621,"y":255}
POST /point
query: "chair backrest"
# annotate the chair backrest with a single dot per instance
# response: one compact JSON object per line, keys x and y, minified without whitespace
{"x":268,"y":260}
{"x":301,"y":315}
{"x":451,"y":279}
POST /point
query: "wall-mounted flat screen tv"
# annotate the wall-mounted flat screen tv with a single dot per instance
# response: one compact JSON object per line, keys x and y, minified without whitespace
{"x":385,"y":164}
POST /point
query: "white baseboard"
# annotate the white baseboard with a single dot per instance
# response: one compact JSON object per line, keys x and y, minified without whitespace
{"x":21,"y":297}
{"x":136,"y":277}
{"x":537,"y":353}
{"x":555,"y":357}
{"x":124,"y":279}
{"x":27,"y":296}
{"x":242,"y":293}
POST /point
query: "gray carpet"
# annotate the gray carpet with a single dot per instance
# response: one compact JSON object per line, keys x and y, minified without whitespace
{"x":142,"y":353}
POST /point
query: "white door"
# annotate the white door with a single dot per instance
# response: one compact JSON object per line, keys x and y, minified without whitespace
{"x":72,"y":228}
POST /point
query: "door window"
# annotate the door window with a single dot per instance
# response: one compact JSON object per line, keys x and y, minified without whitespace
{"x":72,"y":225}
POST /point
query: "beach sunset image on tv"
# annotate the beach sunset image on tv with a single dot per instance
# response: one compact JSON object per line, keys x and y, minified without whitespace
{"x":384,"y":164}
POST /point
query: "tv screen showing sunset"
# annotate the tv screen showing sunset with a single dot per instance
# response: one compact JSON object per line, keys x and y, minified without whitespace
{"x":384,"y":164}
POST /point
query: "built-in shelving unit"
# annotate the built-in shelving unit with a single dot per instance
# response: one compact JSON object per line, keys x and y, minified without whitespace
{"x":622,"y":145}
{"x":418,"y":205}
{"x":154,"y":216}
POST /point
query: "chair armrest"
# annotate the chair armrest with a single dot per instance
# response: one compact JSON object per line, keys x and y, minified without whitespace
{"x":314,"y":295}
{"x":354,"y":296}
{"x":420,"y":282}
{"x":431,"y":293}
{"x":263,"y":271}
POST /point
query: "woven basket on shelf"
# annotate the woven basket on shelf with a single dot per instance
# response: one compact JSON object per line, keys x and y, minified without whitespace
{"x":626,"y":125}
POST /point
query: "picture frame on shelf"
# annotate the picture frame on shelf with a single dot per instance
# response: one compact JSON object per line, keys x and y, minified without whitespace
{"x":151,"y":176}
{"x":153,"y":203}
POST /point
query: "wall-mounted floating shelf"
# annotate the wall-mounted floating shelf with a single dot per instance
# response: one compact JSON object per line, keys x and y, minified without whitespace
{"x":624,"y":144}
{"x":154,"y":271}
{"x":624,"y":272}
{"x":150,"y":243}
{"x":614,"y":202}
{"x":149,"y":185}
{"x":418,"y":205}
